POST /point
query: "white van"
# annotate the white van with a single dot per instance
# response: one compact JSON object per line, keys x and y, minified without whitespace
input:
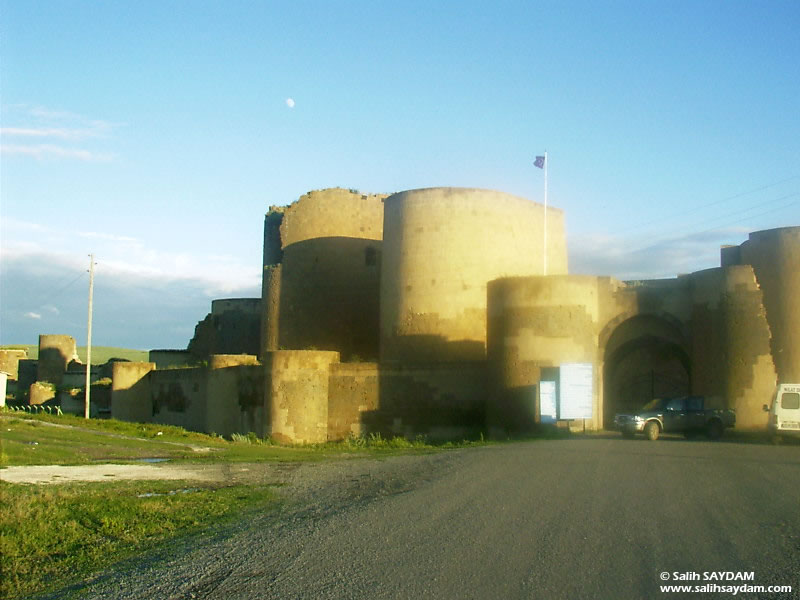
{"x":784,"y":415}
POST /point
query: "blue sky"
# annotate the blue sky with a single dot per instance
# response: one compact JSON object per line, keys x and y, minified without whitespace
{"x":156,"y":134}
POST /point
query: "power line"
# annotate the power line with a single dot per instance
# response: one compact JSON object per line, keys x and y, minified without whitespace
{"x":58,"y":292}
{"x":716,"y":227}
{"x":708,"y":205}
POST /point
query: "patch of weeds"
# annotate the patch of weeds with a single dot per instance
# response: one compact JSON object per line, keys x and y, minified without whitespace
{"x":251,"y":438}
{"x":52,"y":535}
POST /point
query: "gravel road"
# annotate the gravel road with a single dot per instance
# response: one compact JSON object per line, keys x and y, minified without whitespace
{"x":580,"y":518}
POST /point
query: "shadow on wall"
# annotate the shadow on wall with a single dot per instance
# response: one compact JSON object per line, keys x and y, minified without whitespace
{"x":329,"y":294}
{"x":52,"y":365}
{"x":516,"y":409}
{"x":444,"y":401}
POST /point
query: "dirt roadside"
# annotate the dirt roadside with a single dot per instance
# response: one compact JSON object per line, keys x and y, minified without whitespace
{"x":227,"y":473}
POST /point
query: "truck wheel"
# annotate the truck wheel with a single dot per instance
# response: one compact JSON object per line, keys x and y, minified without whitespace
{"x":651,"y":431}
{"x":714,"y":430}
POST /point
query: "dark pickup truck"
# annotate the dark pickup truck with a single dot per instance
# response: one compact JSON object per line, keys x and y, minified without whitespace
{"x":686,"y":414}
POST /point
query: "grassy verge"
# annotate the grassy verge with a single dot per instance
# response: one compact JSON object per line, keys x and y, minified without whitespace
{"x":55,"y":535}
{"x":31,"y":440}
{"x":51,"y":536}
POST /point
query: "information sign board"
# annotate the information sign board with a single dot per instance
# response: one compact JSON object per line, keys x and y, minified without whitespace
{"x":547,"y":402}
{"x":575,"y":391}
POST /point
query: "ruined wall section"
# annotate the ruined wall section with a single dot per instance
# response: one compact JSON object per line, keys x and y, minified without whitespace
{"x":775,"y":257}
{"x":9,"y":361}
{"x":232,"y":327}
{"x":178,"y":397}
{"x":731,"y":350}
{"x":235,"y":396}
{"x":441,"y":246}
{"x":224,"y":397}
{"x":55,"y":353}
{"x":326,"y":276}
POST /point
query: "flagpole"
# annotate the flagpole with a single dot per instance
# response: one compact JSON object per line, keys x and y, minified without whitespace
{"x":544,"y":253}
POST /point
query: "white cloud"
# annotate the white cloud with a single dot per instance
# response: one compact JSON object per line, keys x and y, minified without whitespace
{"x":34,"y":123}
{"x":635,"y":257}
{"x":57,"y":132}
{"x":42,"y":151}
{"x":107,"y":236}
{"x":33,"y":315}
{"x":51,"y":309}
{"x":290,"y":102}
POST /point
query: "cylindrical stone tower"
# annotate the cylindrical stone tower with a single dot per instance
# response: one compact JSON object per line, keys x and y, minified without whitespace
{"x":440,"y":248}
{"x":534,"y":323}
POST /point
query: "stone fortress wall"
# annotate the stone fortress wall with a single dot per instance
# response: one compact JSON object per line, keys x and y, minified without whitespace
{"x":429,"y":312}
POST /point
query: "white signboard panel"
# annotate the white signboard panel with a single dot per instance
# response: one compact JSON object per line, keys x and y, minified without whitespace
{"x":547,"y":401}
{"x":575,"y":391}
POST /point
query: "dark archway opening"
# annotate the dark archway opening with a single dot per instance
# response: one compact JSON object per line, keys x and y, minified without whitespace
{"x":645,"y":358}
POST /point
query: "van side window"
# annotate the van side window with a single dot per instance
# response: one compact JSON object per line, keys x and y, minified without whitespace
{"x":790,"y":400}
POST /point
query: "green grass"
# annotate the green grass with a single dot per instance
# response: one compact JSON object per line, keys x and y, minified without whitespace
{"x":51,"y":536}
{"x":54,"y":535}
{"x":100,"y":354}
{"x":29,"y":440}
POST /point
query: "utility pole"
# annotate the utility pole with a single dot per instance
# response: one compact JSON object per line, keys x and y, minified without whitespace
{"x":89,"y":339}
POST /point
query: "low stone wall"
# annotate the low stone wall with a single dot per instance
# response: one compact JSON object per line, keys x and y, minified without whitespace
{"x":130,"y":392}
{"x":225,"y":397}
{"x":235,"y":400}
{"x":178,"y":397}
{"x":300,"y":396}
{"x":170,"y":358}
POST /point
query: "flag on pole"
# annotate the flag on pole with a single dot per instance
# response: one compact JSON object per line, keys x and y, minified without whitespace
{"x":539,"y":162}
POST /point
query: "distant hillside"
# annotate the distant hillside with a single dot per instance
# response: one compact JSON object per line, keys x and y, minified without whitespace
{"x":100,"y":354}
